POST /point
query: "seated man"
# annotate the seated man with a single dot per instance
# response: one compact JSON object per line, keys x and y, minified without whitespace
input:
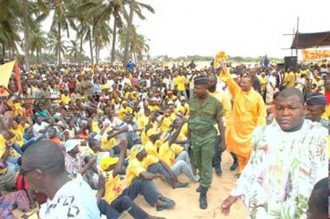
{"x":153,"y":164}
{"x":73,"y":161}
{"x":43,"y":165}
{"x":137,"y":175}
{"x":122,"y":199}
{"x":175,"y":157}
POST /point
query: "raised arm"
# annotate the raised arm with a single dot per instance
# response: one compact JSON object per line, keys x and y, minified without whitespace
{"x":225,"y":76}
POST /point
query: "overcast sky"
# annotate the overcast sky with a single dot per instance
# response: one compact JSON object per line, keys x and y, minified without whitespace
{"x":239,"y":27}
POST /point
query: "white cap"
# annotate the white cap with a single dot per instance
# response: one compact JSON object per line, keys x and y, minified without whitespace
{"x":70,"y":144}
{"x":97,"y":137}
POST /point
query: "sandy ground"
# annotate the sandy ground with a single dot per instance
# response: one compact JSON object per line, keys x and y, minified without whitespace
{"x":187,"y":204}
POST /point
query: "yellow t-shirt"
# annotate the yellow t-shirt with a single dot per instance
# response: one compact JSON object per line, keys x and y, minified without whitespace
{"x":180,"y":82}
{"x":123,"y":111}
{"x":263,"y":83}
{"x":166,"y":124}
{"x":113,"y":187}
{"x":105,"y":86}
{"x":184,"y":109}
{"x":18,"y":135}
{"x":151,"y":149}
{"x":167,"y":153}
{"x":290,"y":79}
{"x":65,"y":99}
{"x":183,"y":133}
{"x":2,"y":145}
{"x":107,"y":144}
{"x":153,"y":108}
{"x":148,"y":160}
{"x":134,"y":169}
{"x":95,"y":127}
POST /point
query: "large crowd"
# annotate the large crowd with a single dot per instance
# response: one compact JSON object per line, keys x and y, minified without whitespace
{"x":114,"y":129}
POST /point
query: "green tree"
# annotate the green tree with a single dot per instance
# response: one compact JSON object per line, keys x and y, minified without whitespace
{"x":33,"y":12}
{"x":37,"y":42}
{"x":60,"y":22}
{"x":10,"y":24}
{"x":56,"y":44}
{"x":134,"y":8}
{"x":73,"y":50}
{"x":101,"y":11}
{"x":138,"y":46}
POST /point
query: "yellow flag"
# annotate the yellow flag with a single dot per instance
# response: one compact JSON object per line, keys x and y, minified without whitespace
{"x":5,"y":73}
{"x":220,"y":54}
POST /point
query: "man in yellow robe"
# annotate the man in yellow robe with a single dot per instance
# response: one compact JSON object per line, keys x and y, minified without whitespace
{"x":249,"y":111}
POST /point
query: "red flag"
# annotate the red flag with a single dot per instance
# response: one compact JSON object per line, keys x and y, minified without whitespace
{"x":17,"y":76}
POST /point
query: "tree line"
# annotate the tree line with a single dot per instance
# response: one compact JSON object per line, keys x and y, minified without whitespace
{"x":99,"y":23}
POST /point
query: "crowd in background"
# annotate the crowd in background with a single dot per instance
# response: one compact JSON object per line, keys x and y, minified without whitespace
{"x":101,"y":105}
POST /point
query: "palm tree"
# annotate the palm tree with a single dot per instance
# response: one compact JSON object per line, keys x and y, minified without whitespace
{"x":99,"y":11}
{"x":138,"y":44}
{"x":37,"y":42}
{"x":60,"y":22}
{"x":8,"y":34}
{"x":10,"y":12}
{"x":134,"y":7}
{"x":74,"y":50}
{"x":41,"y":11}
{"x":79,"y":23}
{"x":101,"y":36}
{"x":56,"y":44}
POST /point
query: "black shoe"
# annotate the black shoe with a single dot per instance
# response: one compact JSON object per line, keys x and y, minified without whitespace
{"x":199,"y":189}
{"x":202,"y":198}
{"x":234,"y":166}
{"x":180,"y":185}
{"x":164,"y":205}
{"x":237,"y":175}
{"x":164,"y":199}
{"x":218,"y":171}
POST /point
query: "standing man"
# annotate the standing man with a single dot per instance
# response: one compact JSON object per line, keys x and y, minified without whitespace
{"x":224,"y":99}
{"x":205,"y":112}
{"x":249,"y":111}
{"x":289,"y":158}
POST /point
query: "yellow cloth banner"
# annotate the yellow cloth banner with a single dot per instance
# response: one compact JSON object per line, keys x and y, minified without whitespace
{"x":315,"y":54}
{"x":5,"y":73}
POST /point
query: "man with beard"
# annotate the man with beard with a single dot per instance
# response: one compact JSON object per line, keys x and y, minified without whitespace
{"x":205,"y":112}
{"x":289,"y":158}
{"x":224,"y":99}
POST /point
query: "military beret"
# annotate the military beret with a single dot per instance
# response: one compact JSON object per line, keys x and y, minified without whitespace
{"x":316,"y":99}
{"x":201,"y":80}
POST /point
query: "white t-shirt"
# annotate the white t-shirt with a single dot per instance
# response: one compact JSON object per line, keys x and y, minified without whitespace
{"x":37,"y":128}
{"x":75,"y":199}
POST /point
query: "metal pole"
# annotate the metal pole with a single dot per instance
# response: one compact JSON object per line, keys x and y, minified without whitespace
{"x":297,"y":42}
{"x":293,"y":34}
